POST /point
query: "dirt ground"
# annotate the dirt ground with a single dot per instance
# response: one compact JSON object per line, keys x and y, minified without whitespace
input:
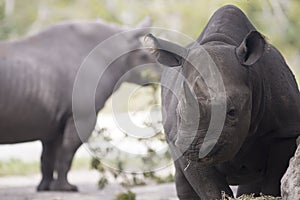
{"x":23,"y":188}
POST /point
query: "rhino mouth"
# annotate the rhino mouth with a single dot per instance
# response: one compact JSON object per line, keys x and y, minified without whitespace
{"x":201,"y":151}
{"x":193,"y":154}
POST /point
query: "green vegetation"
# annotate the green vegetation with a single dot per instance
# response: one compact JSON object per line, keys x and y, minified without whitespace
{"x":114,"y":163}
{"x":126,"y":196}
{"x":81,"y":163}
{"x":19,"y":167}
{"x":126,"y":179}
{"x":167,"y":179}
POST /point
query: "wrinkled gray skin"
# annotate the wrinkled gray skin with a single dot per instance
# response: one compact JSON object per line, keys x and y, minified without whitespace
{"x":36,"y":77}
{"x":263,"y":111}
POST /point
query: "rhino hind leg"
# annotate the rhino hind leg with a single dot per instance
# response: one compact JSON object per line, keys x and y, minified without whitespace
{"x":47,"y":163}
{"x":70,"y":143}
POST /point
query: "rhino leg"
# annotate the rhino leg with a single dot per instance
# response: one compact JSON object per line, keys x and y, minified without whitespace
{"x":280,"y":153}
{"x":70,"y":143}
{"x":184,"y":190}
{"x":206,"y":181}
{"x":253,"y":188}
{"x":47,"y":163}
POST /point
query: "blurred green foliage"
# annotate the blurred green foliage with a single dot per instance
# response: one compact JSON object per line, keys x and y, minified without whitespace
{"x":13,"y":166}
{"x":126,"y":196}
{"x":278,"y":20}
{"x":111,"y":164}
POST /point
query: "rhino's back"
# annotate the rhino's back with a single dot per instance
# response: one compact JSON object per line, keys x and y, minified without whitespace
{"x":29,"y":98}
{"x":36,"y":78}
{"x":37,"y":75}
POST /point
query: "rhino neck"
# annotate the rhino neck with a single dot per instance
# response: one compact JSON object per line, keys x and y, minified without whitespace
{"x":227,"y":22}
{"x":110,"y":81}
{"x":281,"y":95}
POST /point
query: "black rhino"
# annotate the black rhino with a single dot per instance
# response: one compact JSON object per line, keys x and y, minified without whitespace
{"x":37,"y":74}
{"x":254,"y":143}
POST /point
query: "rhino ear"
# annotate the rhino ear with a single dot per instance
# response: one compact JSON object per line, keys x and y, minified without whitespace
{"x":143,"y":28}
{"x":251,"y":49}
{"x":166,"y":53}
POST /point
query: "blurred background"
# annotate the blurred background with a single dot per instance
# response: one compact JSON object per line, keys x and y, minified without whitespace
{"x":278,"y":20}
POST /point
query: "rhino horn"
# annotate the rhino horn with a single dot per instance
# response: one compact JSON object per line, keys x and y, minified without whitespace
{"x":166,"y":53}
{"x":191,"y":107}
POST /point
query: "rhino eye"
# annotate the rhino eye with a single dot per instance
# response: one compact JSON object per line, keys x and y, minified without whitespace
{"x":231,"y":112}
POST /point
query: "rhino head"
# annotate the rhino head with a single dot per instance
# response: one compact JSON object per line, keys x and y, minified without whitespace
{"x":223,"y":95}
{"x":139,"y":56}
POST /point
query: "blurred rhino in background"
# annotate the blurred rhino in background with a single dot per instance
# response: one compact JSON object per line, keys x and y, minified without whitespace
{"x":37,"y":74}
